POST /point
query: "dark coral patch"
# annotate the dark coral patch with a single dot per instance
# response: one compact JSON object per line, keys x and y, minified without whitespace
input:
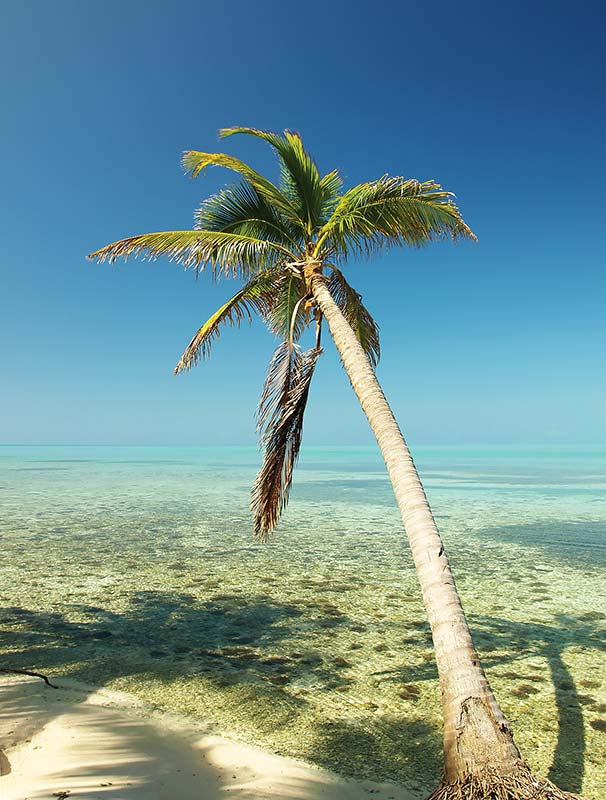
{"x":525,"y":689}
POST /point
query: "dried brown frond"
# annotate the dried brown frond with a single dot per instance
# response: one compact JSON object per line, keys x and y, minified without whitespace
{"x":280,"y":416}
{"x":356,"y":313}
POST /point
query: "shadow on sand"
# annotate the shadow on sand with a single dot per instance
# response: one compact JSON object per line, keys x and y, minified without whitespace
{"x":242,"y":645}
{"x":90,"y":751}
{"x":233,"y":643}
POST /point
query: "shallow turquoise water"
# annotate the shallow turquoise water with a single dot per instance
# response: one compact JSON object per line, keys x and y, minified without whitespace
{"x":135,"y":568}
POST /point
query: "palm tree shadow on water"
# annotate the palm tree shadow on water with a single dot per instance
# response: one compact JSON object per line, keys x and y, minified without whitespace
{"x":550,"y":642}
{"x":502,"y":642}
{"x":240,"y":646}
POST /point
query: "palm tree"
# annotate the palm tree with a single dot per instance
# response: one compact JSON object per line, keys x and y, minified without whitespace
{"x":287,"y":243}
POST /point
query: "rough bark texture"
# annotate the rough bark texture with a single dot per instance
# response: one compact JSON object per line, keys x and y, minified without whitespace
{"x":477,"y":736}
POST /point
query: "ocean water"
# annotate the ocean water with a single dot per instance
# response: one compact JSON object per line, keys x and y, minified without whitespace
{"x":134,"y":568}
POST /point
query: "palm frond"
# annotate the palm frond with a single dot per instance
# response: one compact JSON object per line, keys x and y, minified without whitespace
{"x":194,"y":162}
{"x":257,"y":296}
{"x":282,"y":367}
{"x":230,"y":254}
{"x":358,"y":316}
{"x":280,"y":414}
{"x":331,"y":187}
{"x":390,"y":211}
{"x":301,"y":183}
{"x":241,"y":209}
{"x":284,"y":315}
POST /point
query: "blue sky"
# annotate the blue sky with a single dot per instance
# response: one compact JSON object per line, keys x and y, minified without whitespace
{"x":502,"y":341}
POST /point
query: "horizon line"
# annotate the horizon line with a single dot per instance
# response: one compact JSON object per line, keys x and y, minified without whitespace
{"x":373,"y":445}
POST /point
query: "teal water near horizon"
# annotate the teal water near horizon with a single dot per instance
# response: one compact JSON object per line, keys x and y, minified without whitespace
{"x":135,"y":568}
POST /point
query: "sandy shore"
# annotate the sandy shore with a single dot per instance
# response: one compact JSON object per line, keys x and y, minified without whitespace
{"x":81,"y":743}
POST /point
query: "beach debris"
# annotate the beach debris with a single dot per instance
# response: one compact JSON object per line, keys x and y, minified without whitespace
{"x":30,"y":673}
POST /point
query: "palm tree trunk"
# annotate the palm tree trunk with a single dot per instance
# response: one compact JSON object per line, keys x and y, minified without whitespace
{"x":477,"y":736}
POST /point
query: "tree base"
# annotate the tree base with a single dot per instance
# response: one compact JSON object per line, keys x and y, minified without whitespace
{"x":492,"y":785}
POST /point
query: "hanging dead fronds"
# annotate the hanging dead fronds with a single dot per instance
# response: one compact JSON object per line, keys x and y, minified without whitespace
{"x":280,"y":417}
{"x":356,"y":313}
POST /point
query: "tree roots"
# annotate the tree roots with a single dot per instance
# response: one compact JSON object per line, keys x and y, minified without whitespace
{"x":492,"y":785}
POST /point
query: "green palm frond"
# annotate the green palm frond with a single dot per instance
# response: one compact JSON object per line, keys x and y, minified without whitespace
{"x":257,"y":296}
{"x":194,"y":162}
{"x":287,"y":313}
{"x":281,"y":410}
{"x":391,"y":210}
{"x":358,"y":316}
{"x":241,"y":209}
{"x":314,"y":197}
{"x":230,"y":254}
{"x":331,"y":187}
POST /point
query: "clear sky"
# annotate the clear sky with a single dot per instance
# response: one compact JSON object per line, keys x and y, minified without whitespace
{"x":502,"y":341}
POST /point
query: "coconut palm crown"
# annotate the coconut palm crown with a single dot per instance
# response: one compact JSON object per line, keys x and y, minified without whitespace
{"x":273,"y":237}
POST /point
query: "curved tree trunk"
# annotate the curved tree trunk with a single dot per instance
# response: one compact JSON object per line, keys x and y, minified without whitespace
{"x":478,"y":744}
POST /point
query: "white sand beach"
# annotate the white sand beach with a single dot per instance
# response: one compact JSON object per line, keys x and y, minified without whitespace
{"x":81,"y":743}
